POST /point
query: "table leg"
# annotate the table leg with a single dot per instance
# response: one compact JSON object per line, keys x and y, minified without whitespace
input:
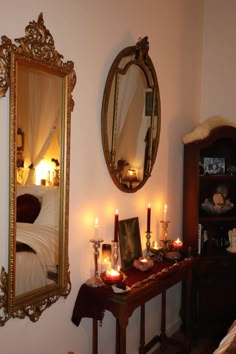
{"x":95,"y":337}
{"x":120,"y":338}
{"x":117,"y":337}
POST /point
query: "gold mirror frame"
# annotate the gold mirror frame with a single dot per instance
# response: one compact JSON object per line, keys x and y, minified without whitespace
{"x":130,"y":174}
{"x":36,"y":49}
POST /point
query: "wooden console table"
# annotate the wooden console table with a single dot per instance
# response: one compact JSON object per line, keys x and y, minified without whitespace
{"x":144,"y":287}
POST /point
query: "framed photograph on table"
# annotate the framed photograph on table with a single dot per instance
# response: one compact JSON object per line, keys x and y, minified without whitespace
{"x":130,"y":242}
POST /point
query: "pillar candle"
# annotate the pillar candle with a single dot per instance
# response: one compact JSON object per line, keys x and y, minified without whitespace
{"x":96,"y":229}
{"x":165,"y":212}
{"x":116,"y":226}
{"x":148,"y":217}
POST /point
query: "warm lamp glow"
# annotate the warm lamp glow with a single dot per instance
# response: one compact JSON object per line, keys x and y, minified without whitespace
{"x":44,"y":171}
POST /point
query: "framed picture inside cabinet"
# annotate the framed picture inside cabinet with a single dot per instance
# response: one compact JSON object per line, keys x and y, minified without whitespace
{"x":214,"y":165}
{"x":130,"y":242}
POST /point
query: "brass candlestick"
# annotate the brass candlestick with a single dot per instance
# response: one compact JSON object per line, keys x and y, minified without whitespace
{"x":115,"y":255}
{"x":148,"y":243}
{"x":165,"y":232}
{"x":95,"y":281}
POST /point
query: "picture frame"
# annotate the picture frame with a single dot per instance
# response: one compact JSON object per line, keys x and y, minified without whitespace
{"x":130,"y":242}
{"x":214,"y":165}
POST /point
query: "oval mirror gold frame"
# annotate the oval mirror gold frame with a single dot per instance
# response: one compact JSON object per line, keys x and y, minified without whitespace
{"x":131,"y":117}
{"x":35,"y":58}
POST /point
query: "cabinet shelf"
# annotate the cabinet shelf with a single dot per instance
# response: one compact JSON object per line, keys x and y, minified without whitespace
{"x":217,"y":219}
{"x":208,"y":178}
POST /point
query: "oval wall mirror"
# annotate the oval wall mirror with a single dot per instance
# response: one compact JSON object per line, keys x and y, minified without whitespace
{"x":41,"y":103}
{"x":131,"y":117}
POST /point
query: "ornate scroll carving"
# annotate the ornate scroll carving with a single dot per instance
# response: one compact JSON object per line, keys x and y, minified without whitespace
{"x":38,"y":44}
{"x":3,"y":297}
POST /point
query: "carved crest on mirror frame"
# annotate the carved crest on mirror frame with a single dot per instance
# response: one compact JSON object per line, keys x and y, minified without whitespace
{"x":37,"y":46}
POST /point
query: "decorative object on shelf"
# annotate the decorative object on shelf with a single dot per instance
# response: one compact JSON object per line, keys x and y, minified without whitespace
{"x":165,"y":224}
{"x":214,"y":165}
{"x":232,"y":240}
{"x":96,"y":280}
{"x":218,"y":203}
{"x":143,"y":263}
{"x":130,"y":242}
{"x":231,"y":170}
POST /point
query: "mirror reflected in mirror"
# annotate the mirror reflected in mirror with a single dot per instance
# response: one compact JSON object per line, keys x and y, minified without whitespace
{"x":41,"y":103}
{"x":131,"y":117}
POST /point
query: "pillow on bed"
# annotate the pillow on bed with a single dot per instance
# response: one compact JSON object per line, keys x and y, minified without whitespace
{"x":49,"y":213}
{"x":27,"y":208}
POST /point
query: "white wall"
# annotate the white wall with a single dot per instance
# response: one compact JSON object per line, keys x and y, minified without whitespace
{"x":91,"y":33}
{"x":219,"y":60}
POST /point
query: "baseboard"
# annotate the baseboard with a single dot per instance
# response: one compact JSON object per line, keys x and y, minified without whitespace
{"x":174,"y":327}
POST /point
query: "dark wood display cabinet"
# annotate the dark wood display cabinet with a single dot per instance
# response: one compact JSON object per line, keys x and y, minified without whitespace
{"x":209,"y":213}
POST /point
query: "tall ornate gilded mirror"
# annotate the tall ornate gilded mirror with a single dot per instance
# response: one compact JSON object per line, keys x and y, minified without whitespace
{"x":131,"y":117}
{"x":41,"y":103}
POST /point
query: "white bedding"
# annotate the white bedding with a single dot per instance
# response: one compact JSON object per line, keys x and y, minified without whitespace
{"x":31,"y":269}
